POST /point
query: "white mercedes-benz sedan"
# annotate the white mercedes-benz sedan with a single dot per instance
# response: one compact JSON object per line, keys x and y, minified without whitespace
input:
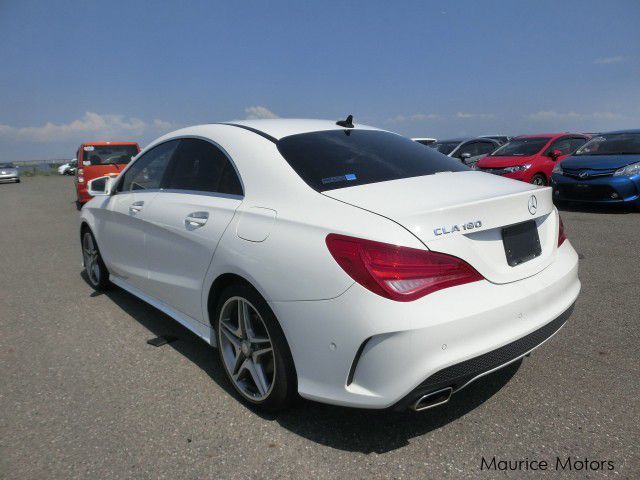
{"x":340,"y":262}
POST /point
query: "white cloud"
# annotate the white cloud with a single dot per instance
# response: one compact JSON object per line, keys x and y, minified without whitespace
{"x":258,"y":112}
{"x":98,"y":126}
{"x":550,"y":115}
{"x":608,"y":60}
{"x":474,"y":115}
{"x":416,"y":117}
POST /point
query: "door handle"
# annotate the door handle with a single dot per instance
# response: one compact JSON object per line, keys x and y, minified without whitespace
{"x":135,"y":207}
{"x":196,"y":220}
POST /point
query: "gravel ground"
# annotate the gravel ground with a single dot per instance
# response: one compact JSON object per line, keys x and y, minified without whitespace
{"x":84,"y":396}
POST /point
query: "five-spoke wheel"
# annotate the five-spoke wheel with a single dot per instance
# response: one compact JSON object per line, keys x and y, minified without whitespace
{"x":253,"y":349}
{"x":97,"y":273}
{"x":246,"y":349}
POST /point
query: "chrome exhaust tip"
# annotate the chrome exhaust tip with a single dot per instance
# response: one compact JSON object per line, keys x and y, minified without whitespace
{"x":432,"y":399}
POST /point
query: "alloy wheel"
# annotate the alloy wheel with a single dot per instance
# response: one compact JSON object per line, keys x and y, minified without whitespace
{"x":90,"y":256}
{"x":246,"y":348}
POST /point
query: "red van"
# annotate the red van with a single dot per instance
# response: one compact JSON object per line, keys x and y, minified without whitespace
{"x":531,"y":158}
{"x":97,"y":159}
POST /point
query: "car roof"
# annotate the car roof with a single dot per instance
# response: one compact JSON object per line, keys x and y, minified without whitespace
{"x":635,"y":130}
{"x":456,"y":139}
{"x":102,"y":144}
{"x":548,"y":135}
{"x":278,"y":128}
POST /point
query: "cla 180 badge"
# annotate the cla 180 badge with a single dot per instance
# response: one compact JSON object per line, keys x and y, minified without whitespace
{"x":457,"y":228}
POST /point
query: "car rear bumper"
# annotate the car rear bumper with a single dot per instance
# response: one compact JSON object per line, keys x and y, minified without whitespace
{"x":464,"y":373}
{"x":363,"y":350}
{"x":605,"y":190}
{"x":9,"y":177}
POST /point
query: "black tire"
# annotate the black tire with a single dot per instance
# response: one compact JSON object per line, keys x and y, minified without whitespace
{"x":96,"y":272}
{"x":284,"y":390}
{"x":539,"y":179}
{"x":17,"y":180}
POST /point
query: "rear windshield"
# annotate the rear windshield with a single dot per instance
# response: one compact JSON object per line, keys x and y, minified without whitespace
{"x":7,"y":165}
{"x":109,"y":154}
{"x":344,"y":158}
{"x":521,"y":147}
{"x":612,"y":144}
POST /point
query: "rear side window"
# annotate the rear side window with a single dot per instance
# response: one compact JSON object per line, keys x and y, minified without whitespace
{"x":148,"y":170}
{"x":343,"y":158}
{"x":200,"y":166}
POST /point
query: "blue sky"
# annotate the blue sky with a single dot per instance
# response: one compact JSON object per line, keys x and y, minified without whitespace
{"x":74,"y":71}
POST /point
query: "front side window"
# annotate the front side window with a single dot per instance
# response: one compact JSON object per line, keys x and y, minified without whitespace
{"x":148,"y":170}
{"x":485,"y":148}
{"x":200,"y":166}
{"x":109,"y":154}
{"x":333,"y":159}
{"x":562,"y":144}
{"x":471,"y":148}
{"x":612,"y":144}
{"x":521,"y":147}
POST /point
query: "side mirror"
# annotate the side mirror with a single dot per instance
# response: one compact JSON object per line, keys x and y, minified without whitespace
{"x":101,"y":186}
{"x":554,"y":154}
{"x":465,"y":156}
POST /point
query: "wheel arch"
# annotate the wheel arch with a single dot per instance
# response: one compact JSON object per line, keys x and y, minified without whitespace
{"x":217,"y":287}
{"x":84,"y":226}
{"x":542,"y":174}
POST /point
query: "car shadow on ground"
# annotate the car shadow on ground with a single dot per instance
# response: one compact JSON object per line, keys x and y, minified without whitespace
{"x":348,"y":429}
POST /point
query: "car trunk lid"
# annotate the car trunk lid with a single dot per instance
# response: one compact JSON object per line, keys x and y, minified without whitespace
{"x":464,"y":214}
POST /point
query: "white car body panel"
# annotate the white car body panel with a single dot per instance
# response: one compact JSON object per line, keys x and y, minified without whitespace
{"x":274,"y":238}
{"x":122,"y":232}
{"x":178,"y":255}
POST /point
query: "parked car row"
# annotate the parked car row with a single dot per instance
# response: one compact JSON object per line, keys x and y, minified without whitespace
{"x":468,"y":150}
{"x":206,"y":220}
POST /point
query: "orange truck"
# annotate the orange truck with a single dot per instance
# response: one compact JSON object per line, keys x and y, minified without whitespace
{"x":97,"y":159}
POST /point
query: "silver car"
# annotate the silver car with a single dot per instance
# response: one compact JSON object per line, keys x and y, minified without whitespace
{"x":9,"y":173}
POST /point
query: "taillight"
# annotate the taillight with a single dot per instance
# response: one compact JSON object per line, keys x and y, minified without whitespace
{"x":561,"y":235}
{"x":399,"y":273}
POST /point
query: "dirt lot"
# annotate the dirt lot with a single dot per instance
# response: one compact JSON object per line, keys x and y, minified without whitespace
{"x":84,"y":396}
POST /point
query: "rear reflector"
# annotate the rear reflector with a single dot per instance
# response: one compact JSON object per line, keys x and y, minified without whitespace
{"x":561,"y":235}
{"x":399,"y":273}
